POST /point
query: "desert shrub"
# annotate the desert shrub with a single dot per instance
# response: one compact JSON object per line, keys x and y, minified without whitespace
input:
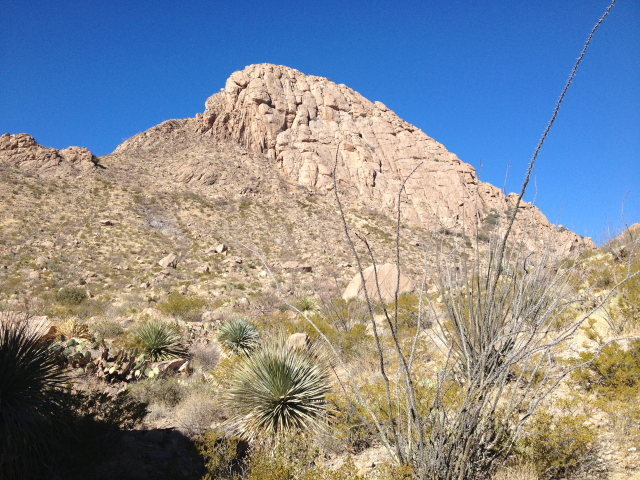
{"x":206,"y":356}
{"x":115,"y":411}
{"x":348,"y":426}
{"x":629,"y":301}
{"x":347,"y":471}
{"x":106,"y":330}
{"x":224,"y":371}
{"x":492,"y":218}
{"x":342,"y":313}
{"x":30,"y":399}
{"x":196,"y":412}
{"x":295,"y":457}
{"x":270,"y":468}
{"x":160,"y":340}
{"x":184,"y":307}
{"x":354,"y":341}
{"x":167,"y":392}
{"x":277,"y":389}
{"x":70,"y":296}
{"x":614,"y":373}
{"x":72,"y":328}
{"x":239,"y":336}
{"x":224,"y":457}
{"x":614,"y":377}
{"x":559,"y":444}
{"x":409,"y":312}
{"x":601,"y":272}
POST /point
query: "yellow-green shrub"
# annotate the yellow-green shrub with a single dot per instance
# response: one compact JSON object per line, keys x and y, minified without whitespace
{"x":70,"y":296}
{"x":181,"y":306}
{"x":224,"y":457}
{"x":614,"y":373}
{"x":558,"y":444}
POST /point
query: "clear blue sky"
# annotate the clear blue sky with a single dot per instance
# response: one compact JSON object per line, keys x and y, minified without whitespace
{"x":479,"y":76}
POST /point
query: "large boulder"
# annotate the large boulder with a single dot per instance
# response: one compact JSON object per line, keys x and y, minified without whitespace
{"x":387,"y":281}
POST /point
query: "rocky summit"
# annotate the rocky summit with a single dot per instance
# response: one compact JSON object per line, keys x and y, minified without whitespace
{"x":302,"y":125}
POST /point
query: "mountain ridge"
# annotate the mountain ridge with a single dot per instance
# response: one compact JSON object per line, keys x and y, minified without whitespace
{"x":272,"y":120}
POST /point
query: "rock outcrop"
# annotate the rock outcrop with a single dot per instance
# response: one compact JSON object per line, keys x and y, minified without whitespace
{"x":382,"y":288}
{"x":22,"y":151}
{"x":301,"y":124}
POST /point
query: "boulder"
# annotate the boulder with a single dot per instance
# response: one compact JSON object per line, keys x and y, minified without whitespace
{"x":170,"y":261}
{"x":293,"y":265}
{"x":387,"y":280}
{"x":298,"y":341}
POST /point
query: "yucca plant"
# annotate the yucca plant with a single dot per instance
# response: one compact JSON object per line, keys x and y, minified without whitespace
{"x":277,"y":389}
{"x":239,"y":336}
{"x":307,"y":305}
{"x":160,"y":341}
{"x":30,"y":398}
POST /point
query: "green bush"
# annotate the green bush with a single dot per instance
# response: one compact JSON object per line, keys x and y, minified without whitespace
{"x":114,"y":411}
{"x":181,"y":306}
{"x":614,"y":373}
{"x":630,"y":298}
{"x":614,"y":378}
{"x":70,"y":296}
{"x":559,"y":445}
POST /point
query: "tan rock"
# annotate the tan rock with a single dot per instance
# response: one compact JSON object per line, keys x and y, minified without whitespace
{"x":170,"y":261}
{"x":38,"y":326}
{"x":298,"y":341}
{"x":293,"y":265}
{"x":387,"y":276}
{"x":22,"y":151}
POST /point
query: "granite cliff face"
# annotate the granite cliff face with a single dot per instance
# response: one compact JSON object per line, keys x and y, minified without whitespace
{"x":296,"y":123}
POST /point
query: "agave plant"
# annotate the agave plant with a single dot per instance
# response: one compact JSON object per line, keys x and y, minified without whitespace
{"x":277,"y":389}
{"x":30,"y":400}
{"x":239,"y":336}
{"x":160,"y":341}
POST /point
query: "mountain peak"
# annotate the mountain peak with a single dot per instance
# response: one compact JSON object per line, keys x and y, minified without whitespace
{"x":300,"y":124}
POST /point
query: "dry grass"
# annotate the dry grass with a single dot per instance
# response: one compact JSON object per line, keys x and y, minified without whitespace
{"x":195,"y":413}
{"x":516,"y":472}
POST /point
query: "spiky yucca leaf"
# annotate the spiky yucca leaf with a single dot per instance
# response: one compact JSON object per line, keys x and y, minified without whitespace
{"x":160,"y":341}
{"x":30,"y":400}
{"x":239,"y":336}
{"x":277,"y":389}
